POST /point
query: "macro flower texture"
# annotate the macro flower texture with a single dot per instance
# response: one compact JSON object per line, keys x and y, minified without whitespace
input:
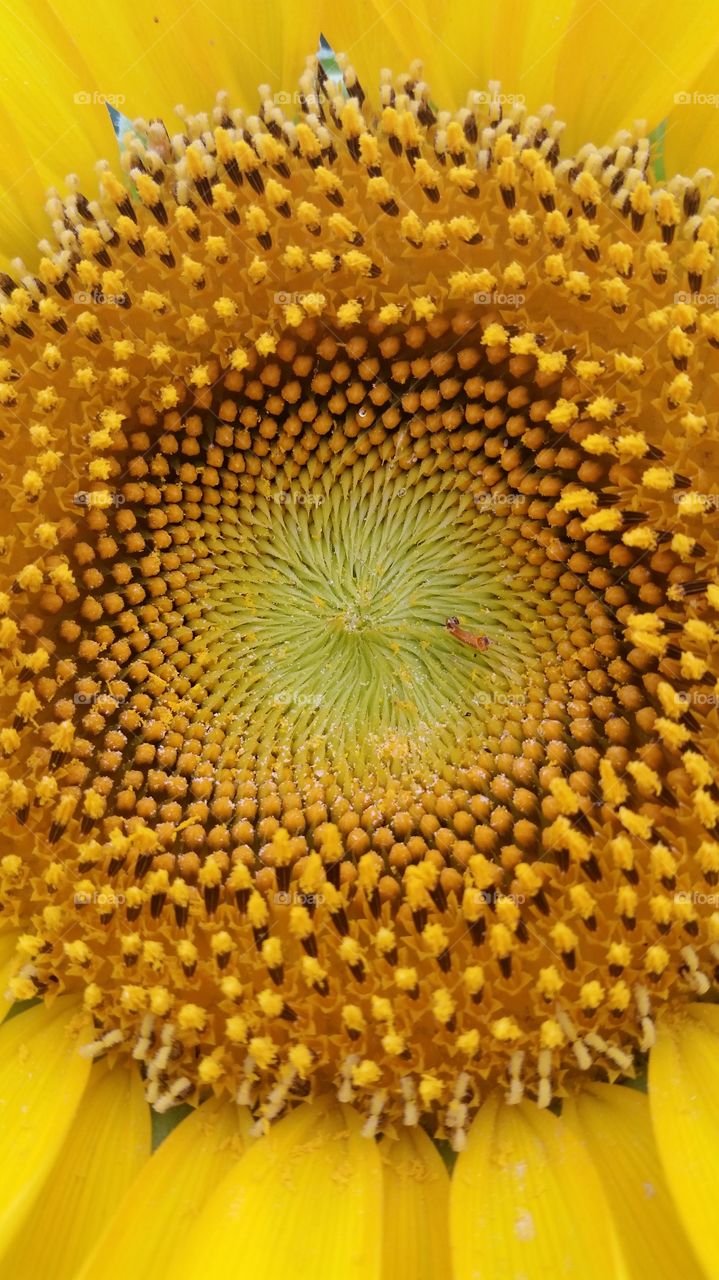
{"x":359,"y":431}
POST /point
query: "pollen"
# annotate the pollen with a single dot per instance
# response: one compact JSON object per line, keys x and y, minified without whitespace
{"x":289,"y":409}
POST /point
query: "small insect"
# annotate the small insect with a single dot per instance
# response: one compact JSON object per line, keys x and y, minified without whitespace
{"x":467,"y":637}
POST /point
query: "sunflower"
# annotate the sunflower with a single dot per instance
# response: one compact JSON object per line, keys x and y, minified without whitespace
{"x":358,"y":639}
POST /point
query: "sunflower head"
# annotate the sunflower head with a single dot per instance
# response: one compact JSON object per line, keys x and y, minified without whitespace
{"x":357,"y":634}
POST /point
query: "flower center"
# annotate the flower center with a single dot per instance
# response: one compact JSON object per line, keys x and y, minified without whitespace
{"x":326,"y":613}
{"x":358,"y":672}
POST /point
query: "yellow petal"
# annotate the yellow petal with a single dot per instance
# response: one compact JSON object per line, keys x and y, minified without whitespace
{"x":524,"y":46}
{"x":169,"y":53}
{"x":48,"y":130}
{"x":416,"y":1208}
{"x":8,"y":942}
{"x":150,"y":1225}
{"x":516,"y":42}
{"x":691,"y":135}
{"x":304,"y":1202}
{"x":615,"y":1125}
{"x":526,"y":1201}
{"x":108,"y":1143}
{"x":684,"y":1100}
{"x":42,"y":1080}
{"x":155,"y":56}
{"x":602,"y":66}
{"x":23,"y":220}
{"x":623,"y":62}
{"x":443,"y":37}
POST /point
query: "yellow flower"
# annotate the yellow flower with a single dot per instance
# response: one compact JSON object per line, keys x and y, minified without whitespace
{"x":358,"y":635}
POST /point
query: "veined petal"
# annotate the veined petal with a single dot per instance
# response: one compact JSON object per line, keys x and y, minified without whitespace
{"x":149,"y":1227}
{"x":519,"y":46}
{"x":621,"y":63}
{"x":443,"y":37}
{"x":416,"y":1208}
{"x":305,"y":1201}
{"x":42,"y":1081}
{"x":23,"y":219}
{"x":167,"y":53}
{"x":526,"y":1201}
{"x":691,"y":135}
{"x":684,"y":1100}
{"x":49,"y":127}
{"x":614,"y":1124}
{"x":523,"y":47}
{"x":107,"y":1145}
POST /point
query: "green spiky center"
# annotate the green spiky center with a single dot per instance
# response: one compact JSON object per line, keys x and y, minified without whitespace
{"x":329,"y":602}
